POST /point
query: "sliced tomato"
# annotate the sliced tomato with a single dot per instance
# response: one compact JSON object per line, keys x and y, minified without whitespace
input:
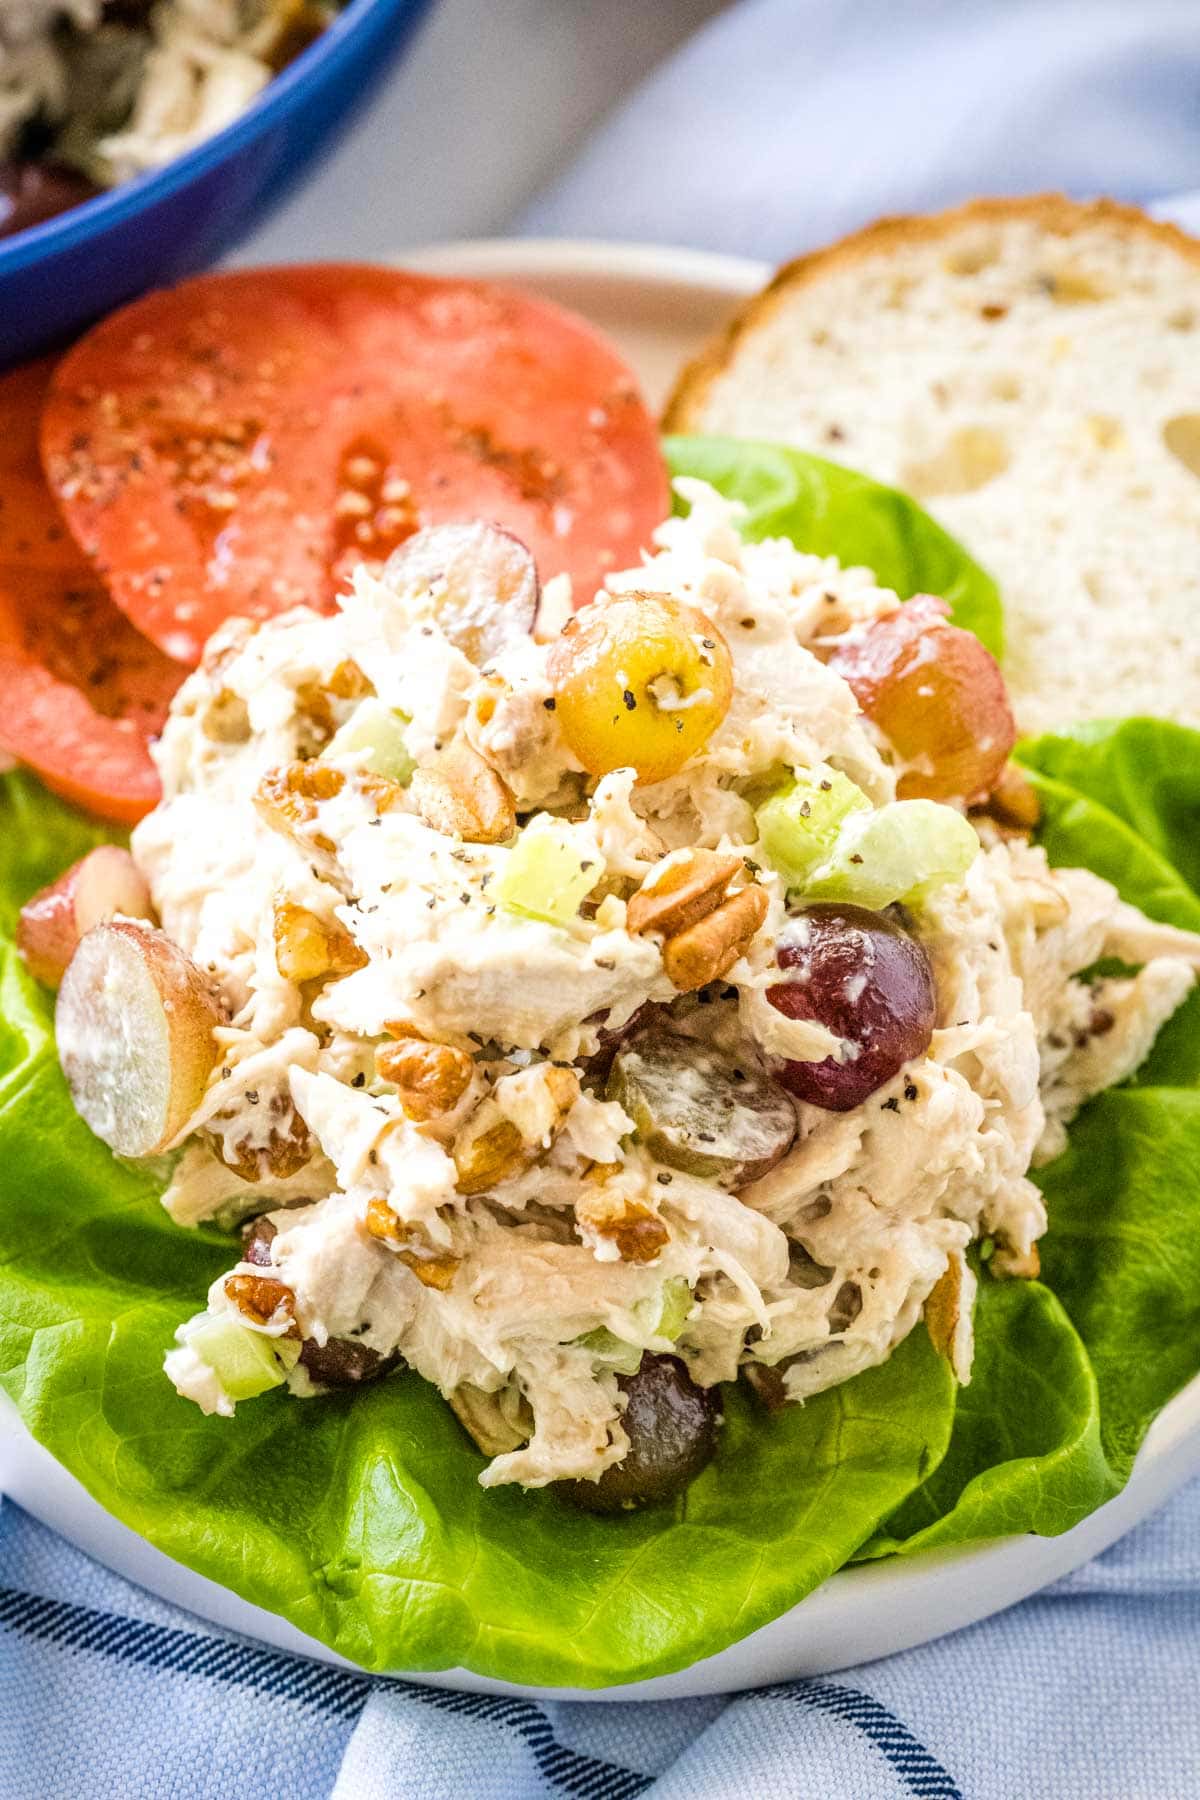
{"x":237,"y":443}
{"x":82,"y":690}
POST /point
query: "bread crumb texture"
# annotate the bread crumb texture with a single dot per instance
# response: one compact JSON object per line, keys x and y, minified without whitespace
{"x":1030,"y":371}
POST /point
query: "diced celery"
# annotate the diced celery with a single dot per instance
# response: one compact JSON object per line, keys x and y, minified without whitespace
{"x":245,"y":1362}
{"x":905,"y":851}
{"x":797,"y":829}
{"x":546,"y":875}
{"x":373,"y":736}
{"x":607,"y":1348}
{"x":668,"y":1312}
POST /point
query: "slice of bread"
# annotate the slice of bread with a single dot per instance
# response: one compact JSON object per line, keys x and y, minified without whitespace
{"x":1029,"y":370}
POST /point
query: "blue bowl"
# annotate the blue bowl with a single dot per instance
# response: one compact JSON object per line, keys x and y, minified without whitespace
{"x":57,"y":277}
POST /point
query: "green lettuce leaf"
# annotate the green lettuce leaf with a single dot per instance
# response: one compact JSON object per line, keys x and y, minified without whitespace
{"x":1069,"y":1375}
{"x":833,"y":511}
{"x":359,"y":1517}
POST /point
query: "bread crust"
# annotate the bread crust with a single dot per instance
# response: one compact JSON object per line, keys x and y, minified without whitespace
{"x":1056,"y":213}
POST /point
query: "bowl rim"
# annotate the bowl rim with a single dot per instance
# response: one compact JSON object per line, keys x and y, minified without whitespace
{"x":114,"y":205}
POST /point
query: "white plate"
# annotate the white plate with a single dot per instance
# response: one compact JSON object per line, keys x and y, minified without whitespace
{"x":659,"y":305}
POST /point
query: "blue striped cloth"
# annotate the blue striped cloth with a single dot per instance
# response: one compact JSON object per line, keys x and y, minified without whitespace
{"x":1087,"y":1692}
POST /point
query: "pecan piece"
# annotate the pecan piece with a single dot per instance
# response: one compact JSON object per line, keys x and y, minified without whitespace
{"x":680,"y":891}
{"x":1013,"y":805}
{"x":492,"y":1147}
{"x":464,"y":797}
{"x":706,"y":950}
{"x":430,"y":1079}
{"x":483,"y":1157}
{"x":637,"y":1231}
{"x":433,"y":1269}
{"x":285,"y":1150}
{"x":307,"y":946}
{"x":287,"y":798}
{"x":263,"y":1300}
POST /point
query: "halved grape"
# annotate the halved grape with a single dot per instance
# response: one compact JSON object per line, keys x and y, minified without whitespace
{"x":545,"y":875}
{"x":641,"y":681}
{"x":864,"y":978}
{"x":905,"y":851}
{"x":100,"y":886}
{"x":672,"y":1428}
{"x":937,"y":694}
{"x":798,"y":828}
{"x":372,"y":741}
{"x":134,"y":1023}
{"x":482,"y":579}
{"x":701,"y":1111}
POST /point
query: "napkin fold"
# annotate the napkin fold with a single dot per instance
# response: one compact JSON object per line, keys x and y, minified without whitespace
{"x":1086,"y":1692}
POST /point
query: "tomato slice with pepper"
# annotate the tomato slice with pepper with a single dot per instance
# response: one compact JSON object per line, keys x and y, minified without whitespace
{"x":238,"y":443}
{"x":82,"y":690}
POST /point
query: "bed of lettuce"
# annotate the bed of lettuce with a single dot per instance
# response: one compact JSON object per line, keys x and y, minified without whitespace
{"x":359,"y":1517}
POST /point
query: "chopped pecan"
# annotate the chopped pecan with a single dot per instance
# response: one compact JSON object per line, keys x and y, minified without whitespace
{"x":434,"y":1269}
{"x":680,"y":891}
{"x":637,"y":1231}
{"x":1013,"y":805}
{"x":492,"y":1147}
{"x":349,"y":683}
{"x":706,"y":950}
{"x":464,"y":797}
{"x":1016,"y":1266}
{"x":263,"y":1300}
{"x":307,"y":946}
{"x":287,"y":798}
{"x":284,"y":1151}
{"x":431,"y":1271}
{"x":226,"y":719}
{"x":380,"y":1221}
{"x":430,"y":1079}
{"x":482,"y":1157}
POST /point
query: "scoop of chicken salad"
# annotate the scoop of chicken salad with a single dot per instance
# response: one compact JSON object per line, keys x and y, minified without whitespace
{"x":588,"y":1009}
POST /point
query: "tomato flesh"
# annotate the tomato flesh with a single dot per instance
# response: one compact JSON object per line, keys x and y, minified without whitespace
{"x":82,"y":689}
{"x":236,"y":444}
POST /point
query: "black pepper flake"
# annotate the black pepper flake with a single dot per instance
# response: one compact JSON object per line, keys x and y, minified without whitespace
{"x":465,"y":898}
{"x":550,"y":703}
{"x":630,"y":699}
{"x":663,"y":1179}
{"x":707,"y":1137}
{"x":729,"y":993}
{"x":910,"y":1090}
{"x":606,"y":963}
{"x":856,"y":858}
{"x":806,"y":809}
{"x":225,"y":1074}
{"x":892,"y":1105}
{"x":708,"y":643}
{"x":484,"y":879}
{"x":750,"y":866}
{"x":252,"y":1096}
{"x":373,"y":1158}
{"x":739,"y":1074}
{"x":431,"y":902}
{"x":360,"y":1080}
{"x":374,"y":821}
{"x":825,"y":786}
